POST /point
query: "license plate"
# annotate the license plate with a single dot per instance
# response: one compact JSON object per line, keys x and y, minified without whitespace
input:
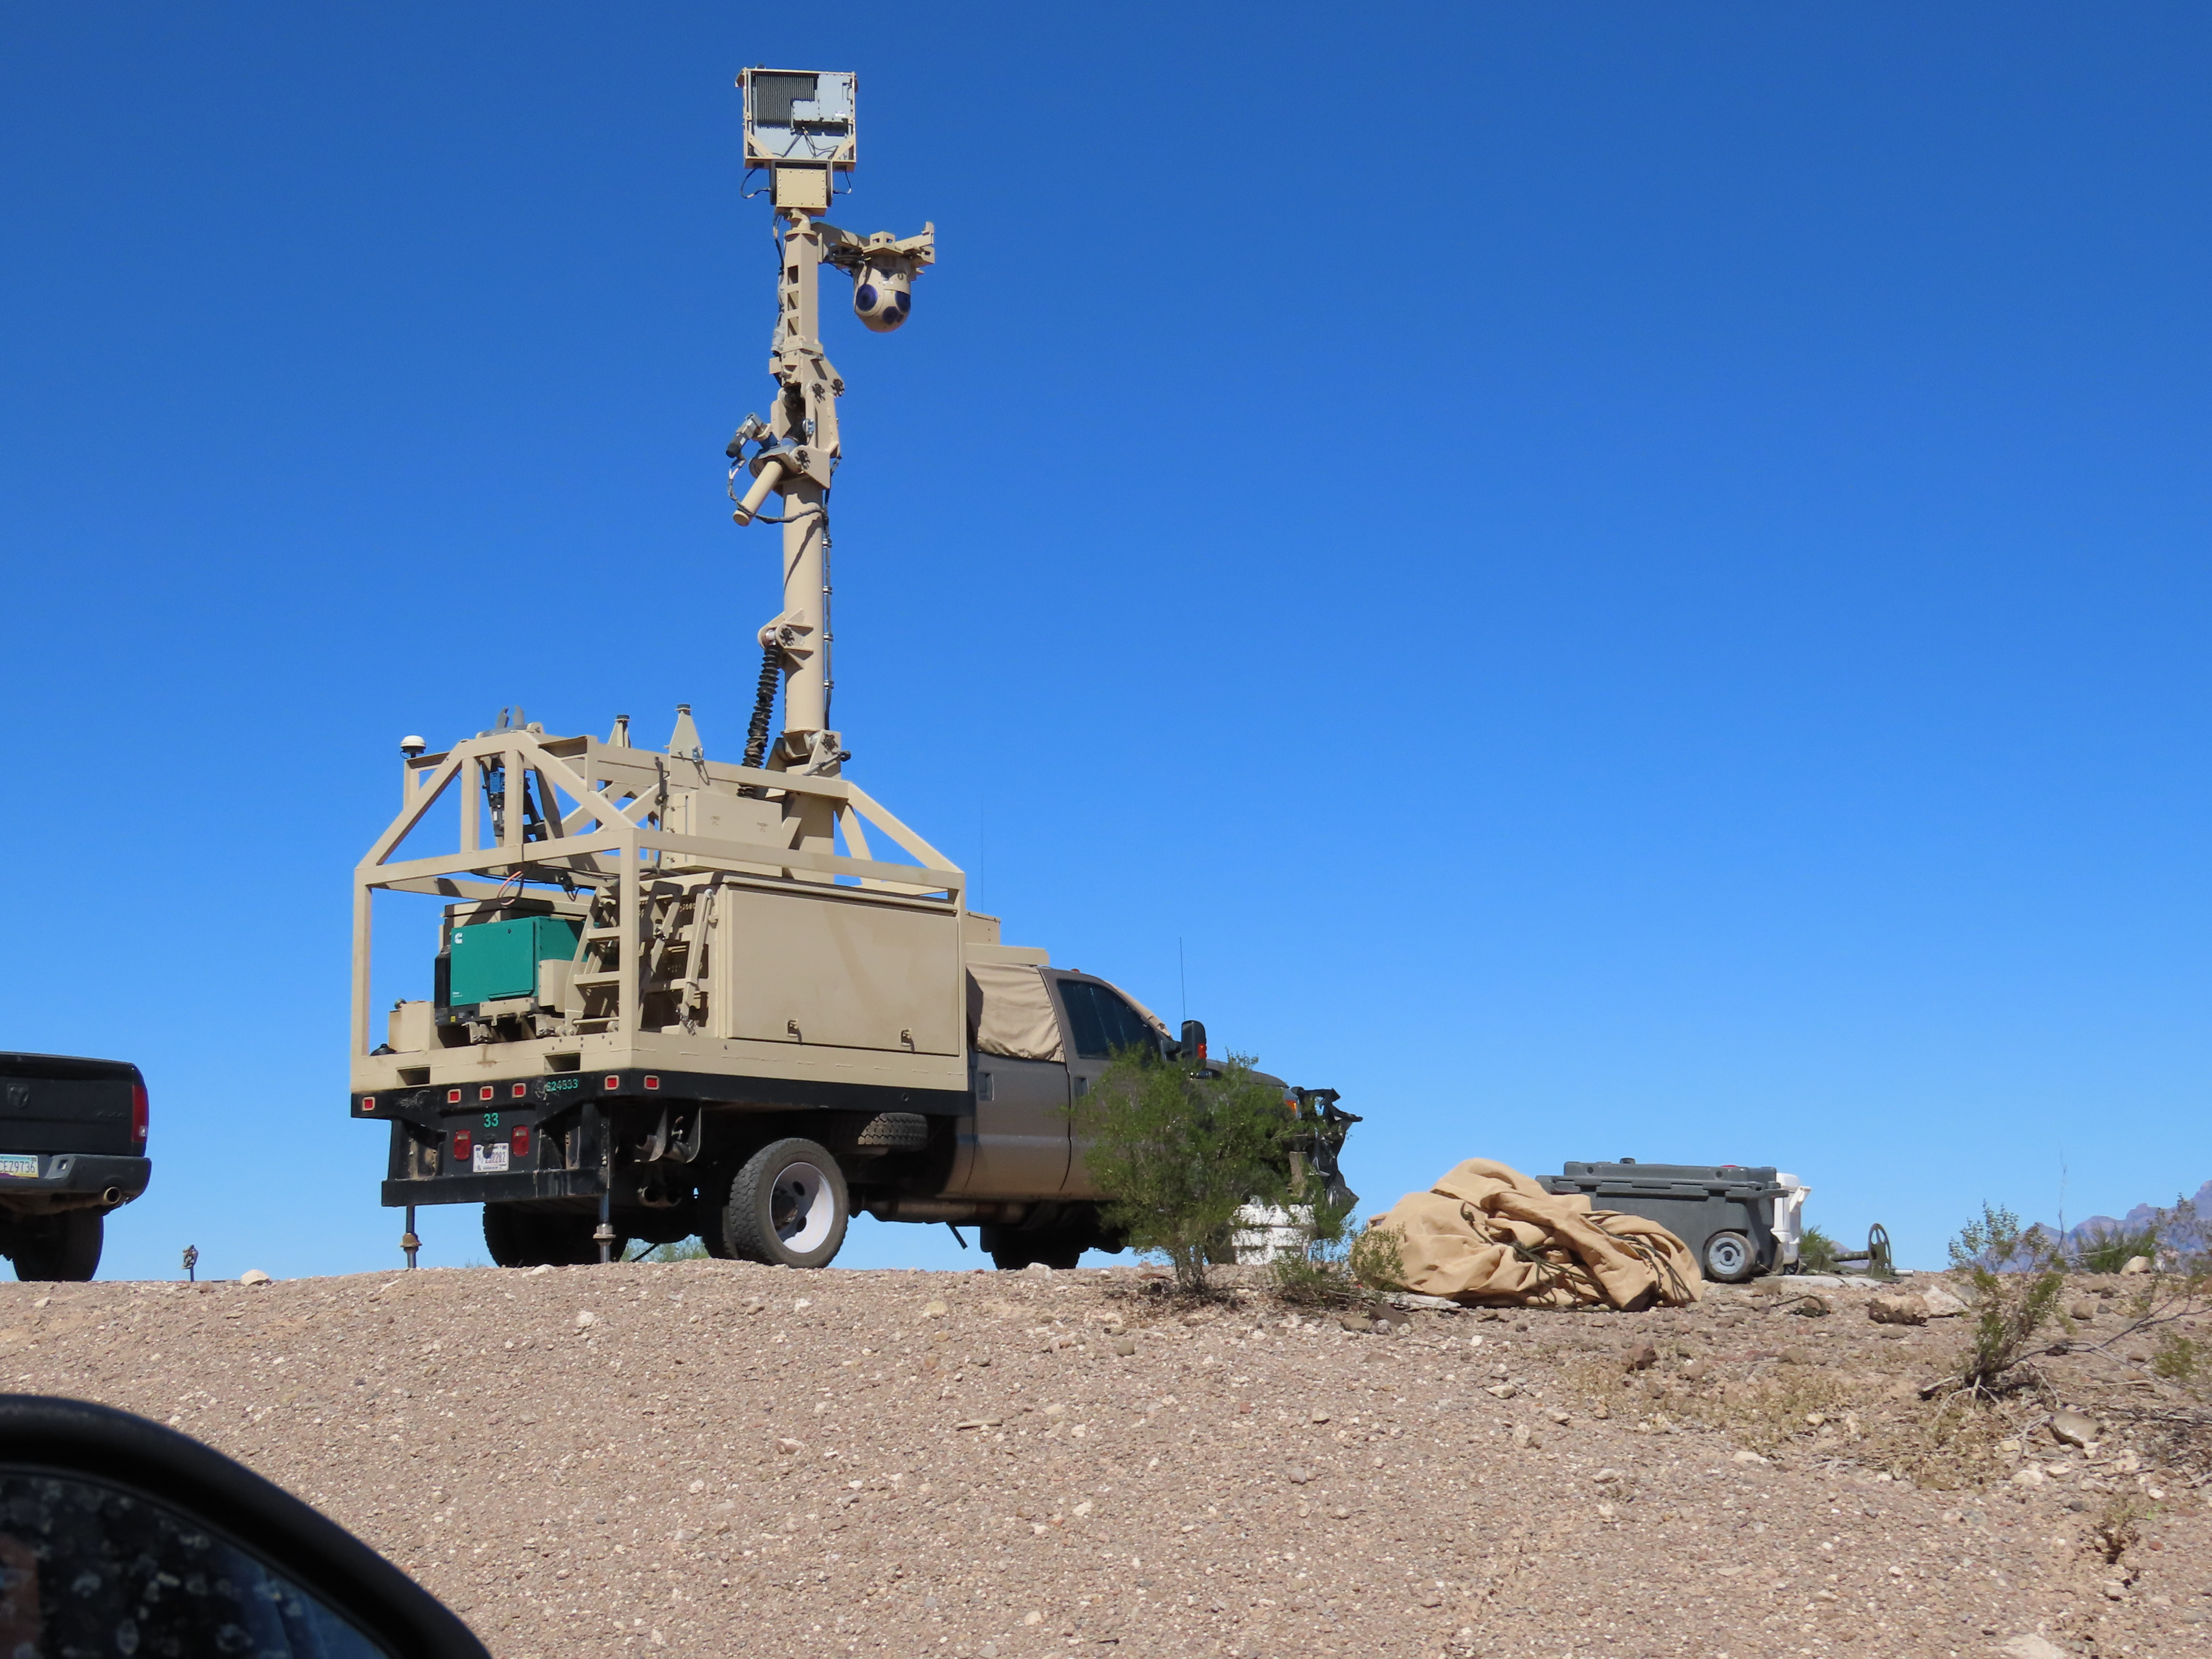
{"x":492,"y":1159}
{"x":20,"y":1165}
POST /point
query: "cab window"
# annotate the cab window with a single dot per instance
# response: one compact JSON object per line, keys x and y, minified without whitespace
{"x":1100,"y":1023}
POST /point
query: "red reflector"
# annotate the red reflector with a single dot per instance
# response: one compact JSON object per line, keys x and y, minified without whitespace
{"x":484,"y":1093}
{"x":653,"y":1083}
{"x":519,"y":1089}
{"x":461,"y":1144}
{"x":610,"y":1083}
{"x":367,"y":1104}
{"x":453,"y":1097}
{"x":138,"y":1113}
{"x":522,"y":1140}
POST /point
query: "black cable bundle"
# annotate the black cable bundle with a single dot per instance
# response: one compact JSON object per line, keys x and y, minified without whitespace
{"x":763,"y":705}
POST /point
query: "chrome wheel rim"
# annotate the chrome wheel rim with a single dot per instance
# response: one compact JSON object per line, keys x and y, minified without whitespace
{"x":801,"y":1208}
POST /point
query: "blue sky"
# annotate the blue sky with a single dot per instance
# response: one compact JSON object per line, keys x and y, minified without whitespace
{"x":1624,"y":581}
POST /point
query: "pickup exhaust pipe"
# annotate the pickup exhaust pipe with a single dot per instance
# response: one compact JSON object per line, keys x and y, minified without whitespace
{"x":112,"y":1196}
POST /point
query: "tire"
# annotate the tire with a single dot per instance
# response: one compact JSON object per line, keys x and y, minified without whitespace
{"x":524,"y":1235}
{"x":1045,"y":1252}
{"x":59,"y":1248}
{"x":787,"y":1207}
{"x":1004,"y":1246}
{"x":515,"y":1235}
{"x":1728,"y":1259}
{"x":1012,"y":1249}
{"x":707,"y":1216}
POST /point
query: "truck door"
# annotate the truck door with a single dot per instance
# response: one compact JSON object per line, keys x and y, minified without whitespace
{"x":1099,"y":1022}
{"x":1021,"y":1131}
{"x":1016,"y":1145}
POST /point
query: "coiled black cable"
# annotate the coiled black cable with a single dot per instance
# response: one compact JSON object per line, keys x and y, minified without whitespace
{"x":763,"y":705}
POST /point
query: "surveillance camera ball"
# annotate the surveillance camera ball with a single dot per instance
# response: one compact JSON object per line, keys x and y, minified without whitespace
{"x":882,"y":294}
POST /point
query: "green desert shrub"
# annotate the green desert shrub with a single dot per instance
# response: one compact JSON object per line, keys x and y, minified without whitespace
{"x":2109,"y":1251}
{"x":1178,"y":1152}
{"x":2017,"y":1276}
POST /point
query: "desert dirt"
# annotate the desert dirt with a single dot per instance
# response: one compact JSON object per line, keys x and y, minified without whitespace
{"x":718,"y":1458}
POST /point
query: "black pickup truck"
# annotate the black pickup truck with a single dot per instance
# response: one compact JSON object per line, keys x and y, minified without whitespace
{"x":72,"y":1147}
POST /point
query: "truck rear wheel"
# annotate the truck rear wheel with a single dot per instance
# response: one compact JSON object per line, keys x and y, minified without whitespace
{"x":62,"y":1248}
{"x":787,"y":1207}
{"x":524,"y":1235}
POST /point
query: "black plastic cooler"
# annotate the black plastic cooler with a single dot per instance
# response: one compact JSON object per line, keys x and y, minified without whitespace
{"x":1723,"y":1211}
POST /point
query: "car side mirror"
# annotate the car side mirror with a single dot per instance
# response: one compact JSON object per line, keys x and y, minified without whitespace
{"x":119,"y":1535}
{"x":1193,"y":1040}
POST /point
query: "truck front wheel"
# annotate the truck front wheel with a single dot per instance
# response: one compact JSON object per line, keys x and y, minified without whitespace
{"x":1059,"y":1247}
{"x":1055,"y":1253}
{"x":60,"y":1248}
{"x":787,"y":1207}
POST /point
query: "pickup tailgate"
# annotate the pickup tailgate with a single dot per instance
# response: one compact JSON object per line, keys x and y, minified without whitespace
{"x":59,"y":1103}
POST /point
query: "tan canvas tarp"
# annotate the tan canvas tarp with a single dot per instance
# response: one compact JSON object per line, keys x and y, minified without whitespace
{"x":1010,"y":1012}
{"x":1487,"y":1234}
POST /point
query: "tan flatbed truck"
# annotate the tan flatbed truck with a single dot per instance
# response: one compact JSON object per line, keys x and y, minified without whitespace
{"x":676,"y":995}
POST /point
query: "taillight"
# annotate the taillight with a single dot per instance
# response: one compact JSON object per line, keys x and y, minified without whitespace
{"x":521,"y":1140}
{"x":463,"y":1142}
{"x":138,"y":1115}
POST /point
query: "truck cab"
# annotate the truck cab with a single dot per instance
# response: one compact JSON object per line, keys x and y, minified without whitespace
{"x":1040,"y":1037}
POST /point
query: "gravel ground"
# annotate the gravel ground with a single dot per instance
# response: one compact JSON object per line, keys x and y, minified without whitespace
{"x":713,"y":1458}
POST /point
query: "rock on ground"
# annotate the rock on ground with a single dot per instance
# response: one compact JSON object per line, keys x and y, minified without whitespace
{"x":1903,"y":1308}
{"x":725,"y":1459}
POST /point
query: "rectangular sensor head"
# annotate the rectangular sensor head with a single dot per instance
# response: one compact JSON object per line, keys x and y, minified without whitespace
{"x":799,"y":117}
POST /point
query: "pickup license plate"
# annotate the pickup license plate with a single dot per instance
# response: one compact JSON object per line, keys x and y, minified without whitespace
{"x":19,"y":1165}
{"x":492,"y":1159}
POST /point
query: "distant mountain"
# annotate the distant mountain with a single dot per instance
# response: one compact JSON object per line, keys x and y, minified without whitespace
{"x":2191,"y":1236}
